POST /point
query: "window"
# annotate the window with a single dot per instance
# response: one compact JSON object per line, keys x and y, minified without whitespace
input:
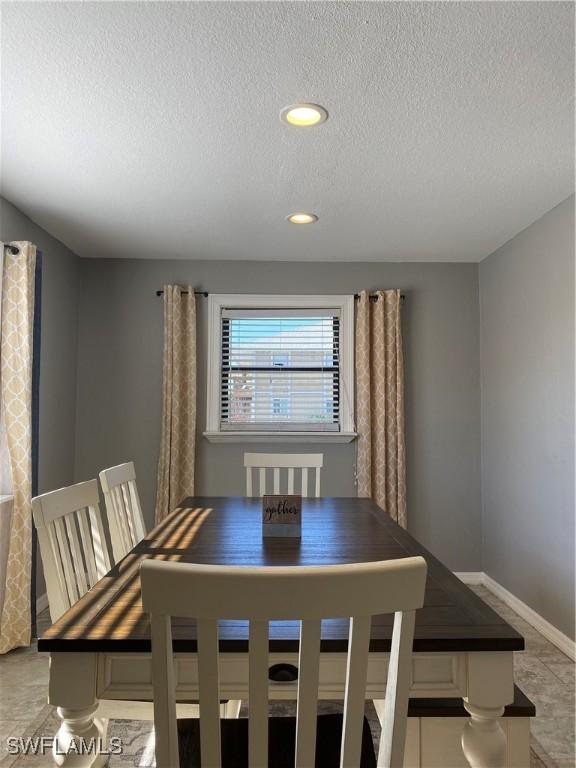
{"x":280,"y":368}
{"x":280,"y":359}
{"x":281,"y":406}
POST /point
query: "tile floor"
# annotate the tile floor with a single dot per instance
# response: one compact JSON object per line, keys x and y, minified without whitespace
{"x":547,"y":677}
{"x":544,"y":673}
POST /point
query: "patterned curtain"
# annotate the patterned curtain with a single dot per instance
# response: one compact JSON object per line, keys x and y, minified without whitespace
{"x":381,"y":464}
{"x":16,"y":348}
{"x":177,"y":446}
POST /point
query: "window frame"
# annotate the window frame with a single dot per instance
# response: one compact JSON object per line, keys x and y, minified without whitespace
{"x":220,"y":301}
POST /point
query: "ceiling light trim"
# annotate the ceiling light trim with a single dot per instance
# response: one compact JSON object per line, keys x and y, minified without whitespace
{"x":302,"y":217}
{"x":294,"y":115}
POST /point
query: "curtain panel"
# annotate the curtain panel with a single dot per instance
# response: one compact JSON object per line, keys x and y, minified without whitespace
{"x":16,"y":352}
{"x":178,"y":439}
{"x":381,"y":460}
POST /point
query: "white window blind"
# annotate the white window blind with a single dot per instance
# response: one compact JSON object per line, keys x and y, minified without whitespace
{"x":280,"y":369}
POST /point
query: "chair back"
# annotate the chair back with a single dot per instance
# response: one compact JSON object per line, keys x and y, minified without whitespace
{"x":125,"y":519}
{"x":356,"y":591}
{"x":72,"y":543}
{"x":291,"y":462}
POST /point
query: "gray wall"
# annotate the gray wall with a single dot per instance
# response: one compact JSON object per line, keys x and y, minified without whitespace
{"x":58,"y":358}
{"x":101,"y":382}
{"x":120,"y":382}
{"x":527,"y":363}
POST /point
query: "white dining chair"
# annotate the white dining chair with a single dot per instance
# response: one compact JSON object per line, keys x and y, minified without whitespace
{"x":291,"y":462}
{"x":72,"y":544}
{"x":74,"y":557}
{"x":125,"y":519}
{"x":209,"y":593}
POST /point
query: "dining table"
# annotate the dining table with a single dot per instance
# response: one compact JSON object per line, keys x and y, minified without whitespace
{"x":100,"y":648}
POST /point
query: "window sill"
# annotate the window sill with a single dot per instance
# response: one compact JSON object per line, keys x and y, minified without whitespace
{"x":280,"y":437}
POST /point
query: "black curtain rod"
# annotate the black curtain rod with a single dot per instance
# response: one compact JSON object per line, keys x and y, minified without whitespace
{"x":12,"y":248}
{"x":205,"y":293}
{"x":373,"y":297}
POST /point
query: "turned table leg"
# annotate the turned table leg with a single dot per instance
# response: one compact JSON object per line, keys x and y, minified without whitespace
{"x":81,"y":738}
{"x":490,"y":688}
{"x":483,"y":740}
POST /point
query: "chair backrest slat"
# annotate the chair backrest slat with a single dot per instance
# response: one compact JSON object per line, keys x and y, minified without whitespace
{"x":262,"y":481}
{"x":208,"y":690}
{"x":393,"y":735}
{"x":79,"y":567}
{"x":357,"y":591}
{"x":100,"y":549}
{"x":72,"y":543}
{"x":48,"y":542}
{"x":123,"y":509}
{"x":356,"y":672}
{"x":87,"y":547}
{"x":69,"y":578}
{"x":283,"y":461}
{"x":258,"y":693}
{"x":304,"y":481}
{"x":307,"y":704}
{"x":121,"y":518}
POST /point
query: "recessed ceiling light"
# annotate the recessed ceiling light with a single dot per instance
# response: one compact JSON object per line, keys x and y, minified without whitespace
{"x":304,"y":115}
{"x":302,"y":218}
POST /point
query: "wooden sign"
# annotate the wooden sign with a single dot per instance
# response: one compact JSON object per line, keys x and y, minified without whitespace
{"x":282,"y":516}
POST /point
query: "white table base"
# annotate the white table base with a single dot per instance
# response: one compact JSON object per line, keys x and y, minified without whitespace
{"x":483,"y":679}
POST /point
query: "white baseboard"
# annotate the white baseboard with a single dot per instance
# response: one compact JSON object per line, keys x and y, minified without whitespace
{"x":549,"y":631}
{"x":471,"y":577}
{"x":41,"y":603}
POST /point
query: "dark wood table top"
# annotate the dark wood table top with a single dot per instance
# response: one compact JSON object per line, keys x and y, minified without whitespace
{"x":228,"y":531}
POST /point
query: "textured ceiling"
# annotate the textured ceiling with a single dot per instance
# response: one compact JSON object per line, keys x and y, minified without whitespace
{"x":151,"y":129}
